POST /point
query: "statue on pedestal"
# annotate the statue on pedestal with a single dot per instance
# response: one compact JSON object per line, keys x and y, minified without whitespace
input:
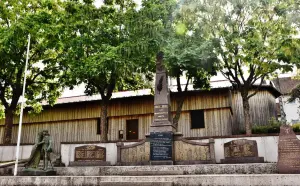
{"x":41,"y":150}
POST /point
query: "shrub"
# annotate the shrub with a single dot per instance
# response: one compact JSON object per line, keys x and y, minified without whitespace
{"x":296,"y":127}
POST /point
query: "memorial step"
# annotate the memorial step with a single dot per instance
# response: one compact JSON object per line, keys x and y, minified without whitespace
{"x":176,"y":180}
{"x":111,"y":183}
{"x":150,"y":173}
{"x":253,"y":168}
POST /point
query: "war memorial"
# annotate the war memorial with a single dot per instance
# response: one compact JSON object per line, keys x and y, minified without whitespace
{"x":163,"y":157}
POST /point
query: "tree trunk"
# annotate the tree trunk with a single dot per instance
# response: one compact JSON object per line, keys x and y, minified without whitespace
{"x":176,"y":118}
{"x":8,"y":126}
{"x":246,"y":109}
{"x":104,"y":124}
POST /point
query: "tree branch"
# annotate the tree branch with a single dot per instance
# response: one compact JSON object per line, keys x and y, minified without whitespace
{"x":2,"y":97}
{"x":257,"y":89}
{"x":187,"y":83}
{"x":178,"y":83}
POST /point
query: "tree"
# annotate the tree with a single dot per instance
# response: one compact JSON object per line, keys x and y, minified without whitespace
{"x":110,"y":48}
{"x":189,"y":54}
{"x":255,"y":39}
{"x":17,"y":20}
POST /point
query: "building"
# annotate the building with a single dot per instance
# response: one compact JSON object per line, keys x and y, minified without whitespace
{"x":291,"y":109}
{"x":217,"y":112}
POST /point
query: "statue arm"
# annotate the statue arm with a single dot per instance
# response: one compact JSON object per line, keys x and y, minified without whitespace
{"x":50,"y":144}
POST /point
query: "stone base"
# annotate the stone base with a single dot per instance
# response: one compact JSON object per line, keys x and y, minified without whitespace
{"x":35,"y":172}
{"x":142,"y":163}
{"x":89,"y":163}
{"x":167,"y":180}
{"x":193,"y":162}
{"x":129,"y":183}
{"x":166,"y":162}
{"x":243,"y":160}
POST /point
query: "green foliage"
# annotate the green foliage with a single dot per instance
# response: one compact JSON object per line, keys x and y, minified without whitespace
{"x":112,"y":47}
{"x":256,"y":38}
{"x":188,"y":52}
{"x":272,"y":127}
{"x":40,"y":19}
{"x":296,"y":127}
{"x":107,"y":48}
{"x":1,"y":112}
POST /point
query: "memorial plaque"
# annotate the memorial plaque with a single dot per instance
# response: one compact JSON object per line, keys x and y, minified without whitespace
{"x":90,"y":153}
{"x":161,"y":146}
{"x":241,"y":151}
{"x":288,"y":151}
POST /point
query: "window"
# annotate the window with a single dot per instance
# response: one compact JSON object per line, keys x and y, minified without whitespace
{"x":99,"y":125}
{"x":197,"y":119}
{"x":132,"y":129}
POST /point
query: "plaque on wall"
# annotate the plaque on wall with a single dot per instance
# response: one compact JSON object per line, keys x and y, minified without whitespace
{"x":241,"y":151}
{"x":288,"y":151}
{"x":90,"y":153}
{"x":161,"y":146}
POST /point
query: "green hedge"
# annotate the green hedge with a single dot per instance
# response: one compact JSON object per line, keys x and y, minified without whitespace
{"x":274,"y":128}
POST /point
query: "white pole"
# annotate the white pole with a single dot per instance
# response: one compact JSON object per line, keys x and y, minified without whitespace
{"x":21,"y":113}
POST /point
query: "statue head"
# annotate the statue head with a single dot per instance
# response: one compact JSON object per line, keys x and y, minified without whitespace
{"x":45,"y":132}
{"x":40,"y":136}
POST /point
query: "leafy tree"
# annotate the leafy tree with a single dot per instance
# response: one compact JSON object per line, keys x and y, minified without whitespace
{"x":110,"y":48}
{"x":189,"y":54}
{"x":18,"y":18}
{"x":255,"y":39}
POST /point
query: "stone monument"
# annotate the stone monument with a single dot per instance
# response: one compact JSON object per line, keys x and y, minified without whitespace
{"x":90,"y":155}
{"x":162,"y":129}
{"x":40,"y":151}
{"x":288,"y":151}
{"x":241,"y":151}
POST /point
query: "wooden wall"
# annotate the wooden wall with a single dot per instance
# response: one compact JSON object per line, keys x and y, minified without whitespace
{"x":78,"y":122}
{"x":262,"y":109}
{"x":217,"y":123}
{"x":64,"y":131}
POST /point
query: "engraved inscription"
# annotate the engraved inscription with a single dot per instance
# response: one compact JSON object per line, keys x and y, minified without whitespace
{"x":90,"y":152}
{"x":161,"y":145}
{"x":288,"y":151}
{"x":241,"y":148}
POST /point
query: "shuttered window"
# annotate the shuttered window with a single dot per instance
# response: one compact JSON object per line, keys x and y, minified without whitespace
{"x":197,"y":119}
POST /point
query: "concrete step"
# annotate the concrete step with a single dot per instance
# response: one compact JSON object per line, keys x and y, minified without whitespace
{"x":151,"y":173}
{"x":177,"y":180}
{"x":110,"y":183}
{"x":254,"y":168}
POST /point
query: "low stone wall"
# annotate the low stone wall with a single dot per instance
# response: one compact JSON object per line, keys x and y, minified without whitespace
{"x":134,"y":154}
{"x":267,"y":146}
{"x":189,"y":152}
{"x":68,"y":151}
{"x":8,"y":153}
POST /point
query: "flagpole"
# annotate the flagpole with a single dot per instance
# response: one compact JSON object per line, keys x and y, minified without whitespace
{"x":21,"y":113}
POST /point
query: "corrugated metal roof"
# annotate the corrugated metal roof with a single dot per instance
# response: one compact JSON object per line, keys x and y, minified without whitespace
{"x":83,"y":98}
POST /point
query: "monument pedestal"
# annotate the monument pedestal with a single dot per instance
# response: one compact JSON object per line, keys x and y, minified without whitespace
{"x":162,"y":128}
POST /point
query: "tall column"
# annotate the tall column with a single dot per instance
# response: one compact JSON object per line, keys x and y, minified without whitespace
{"x":162,"y":129}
